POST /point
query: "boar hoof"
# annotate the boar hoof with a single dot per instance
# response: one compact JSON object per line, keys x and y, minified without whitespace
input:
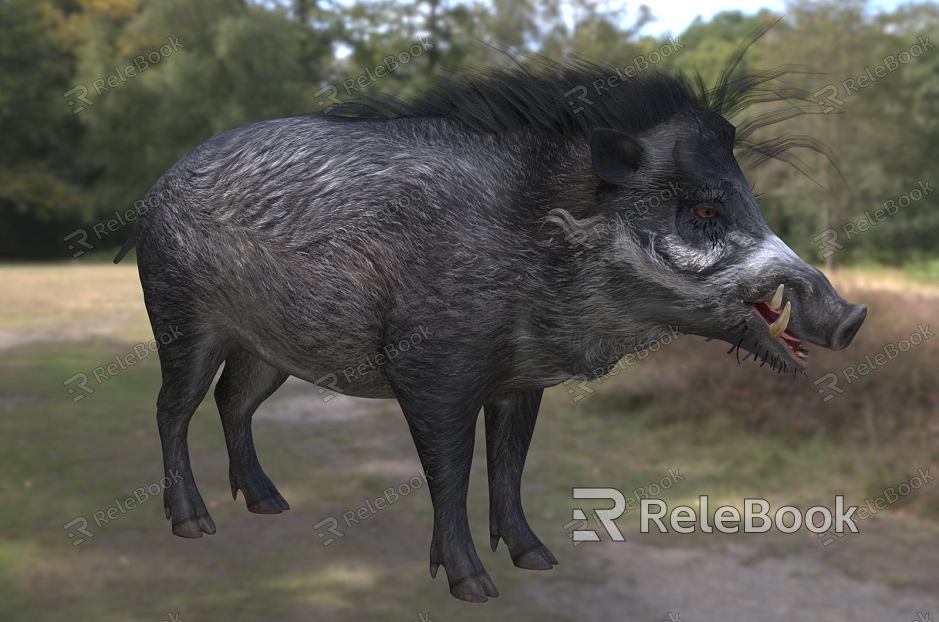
{"x":475,"y":588}
{"x":488,"y":586}
{"x":493,"y":542}
{"x":536,"y":558}
{"x":269,"y":505}
{"x":194,"y":527}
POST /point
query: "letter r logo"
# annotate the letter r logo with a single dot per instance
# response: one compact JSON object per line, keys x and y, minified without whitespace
{"x":581,"y":535}
{"x":581,"y":90}
{"x":82,"y":529}
{"x":82,"y":384}
{"x":83,"y":240}
{"x":831,"y":388}
{"x":831,"y":93}
{"x":829,"y":243}
{"x":606,"y":517}
{"x":333,"y":524}
{"x":330,"y":92}
{"x":331,"y":384}
{"x":82,"y":97}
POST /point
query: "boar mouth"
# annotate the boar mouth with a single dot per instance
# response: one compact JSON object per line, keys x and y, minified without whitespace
{"x":776,"y":318}
{"x":777,"y":322}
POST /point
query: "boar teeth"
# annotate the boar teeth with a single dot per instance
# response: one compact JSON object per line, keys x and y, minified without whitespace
{"x":776,"y":302}
{"x":778,"y":327}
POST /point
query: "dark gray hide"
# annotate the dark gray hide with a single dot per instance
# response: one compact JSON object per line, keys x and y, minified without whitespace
{"x":288,"y":248}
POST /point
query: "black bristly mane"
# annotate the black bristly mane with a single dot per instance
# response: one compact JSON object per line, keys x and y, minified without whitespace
{"x":541,"y":94}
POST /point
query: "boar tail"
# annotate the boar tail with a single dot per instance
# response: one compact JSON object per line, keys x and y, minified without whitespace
{"x":129,"y":244}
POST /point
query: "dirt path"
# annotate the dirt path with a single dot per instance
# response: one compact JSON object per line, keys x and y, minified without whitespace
{"x":638,"y":582}
{"x":77,"y":332}
{"x":698,"y":585}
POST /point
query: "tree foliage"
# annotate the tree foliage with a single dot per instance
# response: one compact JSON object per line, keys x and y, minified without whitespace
{"x":238,"y":61}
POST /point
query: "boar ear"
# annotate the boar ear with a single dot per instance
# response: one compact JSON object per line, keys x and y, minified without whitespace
{"x":616,"y":155}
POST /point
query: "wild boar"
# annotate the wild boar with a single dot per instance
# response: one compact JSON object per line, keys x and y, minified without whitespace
{"x":321,"y":244}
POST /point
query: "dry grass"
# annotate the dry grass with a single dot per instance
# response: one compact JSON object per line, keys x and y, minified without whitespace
{"x":733,"y":431}
{"x":70,"y":302}
{"x":899,"y":398}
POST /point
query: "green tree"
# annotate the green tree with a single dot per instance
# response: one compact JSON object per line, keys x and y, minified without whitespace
{"x":41,"y":179}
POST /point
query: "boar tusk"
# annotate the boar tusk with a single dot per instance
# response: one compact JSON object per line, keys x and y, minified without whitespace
{"x":776,"y":302}
{"x":778,"y":327}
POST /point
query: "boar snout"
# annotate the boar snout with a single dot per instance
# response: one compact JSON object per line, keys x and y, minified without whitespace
{"x":804,"y":307}
{"x":815,"y":313}
{"x":844,"y":330}
{"x":825,"y":318}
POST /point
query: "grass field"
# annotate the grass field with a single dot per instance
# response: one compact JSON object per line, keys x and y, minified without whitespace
{"x":732,"y":431}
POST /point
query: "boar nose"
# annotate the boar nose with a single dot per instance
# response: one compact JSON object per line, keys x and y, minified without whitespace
{"x":846,"y":327}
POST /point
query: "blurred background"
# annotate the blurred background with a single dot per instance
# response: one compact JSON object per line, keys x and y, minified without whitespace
{"x":99,"y":97}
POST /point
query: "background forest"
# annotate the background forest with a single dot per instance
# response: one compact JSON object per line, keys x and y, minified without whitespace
{"x":84,"y":137}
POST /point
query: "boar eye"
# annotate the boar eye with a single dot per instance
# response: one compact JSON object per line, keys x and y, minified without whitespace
{"x":706,"y":211}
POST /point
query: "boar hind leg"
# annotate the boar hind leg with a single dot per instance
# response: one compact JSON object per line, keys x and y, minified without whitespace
{"x":245,"y":383}
{"x":444,"y":434}
{"x":188,"y":366}
{"x":510,"y":422}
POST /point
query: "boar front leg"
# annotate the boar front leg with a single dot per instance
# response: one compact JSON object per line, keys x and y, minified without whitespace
{"x":245,"y":383}
{"x":510,"y":422}
{"x":444,"y":432}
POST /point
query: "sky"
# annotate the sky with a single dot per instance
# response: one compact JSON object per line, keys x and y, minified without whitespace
{"x":676,"y":15}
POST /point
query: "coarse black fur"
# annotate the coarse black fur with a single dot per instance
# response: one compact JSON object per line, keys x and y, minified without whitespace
{"x":461,"y":252}
{"x":534,"y":94}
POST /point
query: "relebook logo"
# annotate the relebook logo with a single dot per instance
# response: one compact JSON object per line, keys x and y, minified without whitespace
{"x":684,"y":519}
